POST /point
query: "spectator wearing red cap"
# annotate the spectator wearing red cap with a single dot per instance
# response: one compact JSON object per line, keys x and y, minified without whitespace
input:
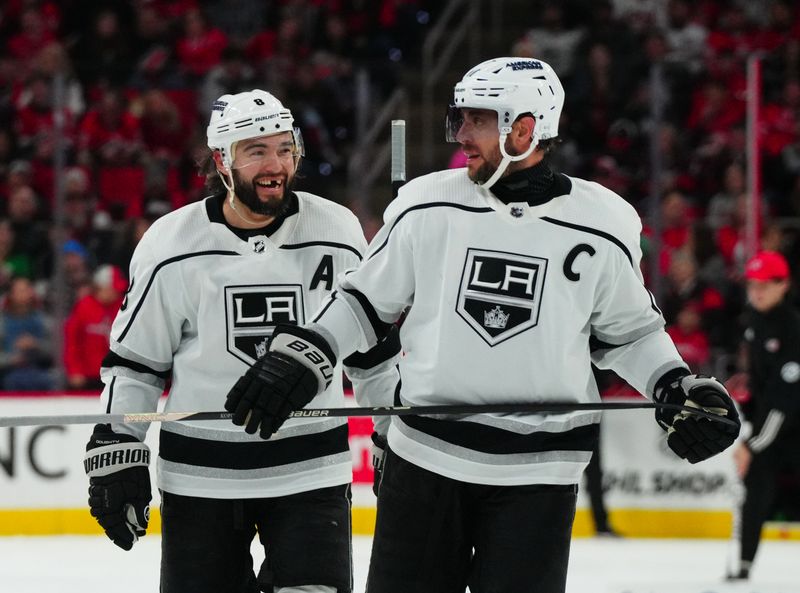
{"x":773,"y":346}
{"x":88,"y":327}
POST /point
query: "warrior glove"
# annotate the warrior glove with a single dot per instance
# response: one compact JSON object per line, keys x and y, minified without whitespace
{"x":119,"y":484}
{"x":690,"y":436}
{"x":297,"y":367}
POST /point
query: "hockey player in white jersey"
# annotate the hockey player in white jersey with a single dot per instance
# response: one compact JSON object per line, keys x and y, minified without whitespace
{"x":208,"y":284}
{"x":515,"y":278}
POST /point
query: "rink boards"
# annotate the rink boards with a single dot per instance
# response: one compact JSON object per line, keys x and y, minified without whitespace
{"x":650,"y":492}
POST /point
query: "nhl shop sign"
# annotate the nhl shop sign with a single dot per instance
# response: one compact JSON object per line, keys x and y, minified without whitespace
{"x":252,"y":312}
{"x":500,"y":293}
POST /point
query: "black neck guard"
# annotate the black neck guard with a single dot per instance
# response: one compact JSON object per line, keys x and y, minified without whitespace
{"x":534,"y":185}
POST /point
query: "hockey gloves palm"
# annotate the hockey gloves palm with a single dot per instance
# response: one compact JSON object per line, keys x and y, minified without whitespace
{"x":690,"y":436}
{"x":298,"y":365}
{"x":119,"y":484}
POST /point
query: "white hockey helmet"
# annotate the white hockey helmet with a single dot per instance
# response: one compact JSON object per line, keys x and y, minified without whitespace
{"x":511,"y":87}
{"x":248,"y":114}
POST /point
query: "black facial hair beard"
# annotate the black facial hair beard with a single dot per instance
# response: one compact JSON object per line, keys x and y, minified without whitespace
{"x":487,"y":169}
{"x":247,"y":195}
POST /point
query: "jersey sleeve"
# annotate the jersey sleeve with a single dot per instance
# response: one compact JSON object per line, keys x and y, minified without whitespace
{"x":627,"y":329}
{"x":145,"y":334}
{"x":375,"y":376}
{"x":370,"y":298}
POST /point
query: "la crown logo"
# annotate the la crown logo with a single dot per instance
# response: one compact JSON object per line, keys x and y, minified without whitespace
{"x":500,"y":293}
{"x":495,"y":319}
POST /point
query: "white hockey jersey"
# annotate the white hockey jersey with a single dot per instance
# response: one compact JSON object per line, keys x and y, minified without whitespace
{"x":507,"y":303}
{"x":201,"y":305}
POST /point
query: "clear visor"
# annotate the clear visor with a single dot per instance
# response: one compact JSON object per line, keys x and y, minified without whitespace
{"x":256,"y":154}
{"x":454,"y":119}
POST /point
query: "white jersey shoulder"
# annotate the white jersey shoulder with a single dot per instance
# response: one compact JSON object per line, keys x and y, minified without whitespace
{"x":323,"y":220}
{"x":598,"y":207}
{"x":450,"y":185}
{"x":178,"y":232}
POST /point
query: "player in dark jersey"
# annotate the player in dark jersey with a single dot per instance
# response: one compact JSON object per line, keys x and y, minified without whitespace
{"x":773,"y":411}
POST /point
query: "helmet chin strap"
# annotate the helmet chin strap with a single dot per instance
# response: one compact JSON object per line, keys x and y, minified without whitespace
{"x":507,"y":160}
{"x":232,"y":195}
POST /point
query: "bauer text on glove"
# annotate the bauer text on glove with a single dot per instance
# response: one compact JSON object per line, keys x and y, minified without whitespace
{"x":299,"y":364}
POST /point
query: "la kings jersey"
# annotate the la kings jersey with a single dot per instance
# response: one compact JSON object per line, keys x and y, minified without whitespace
{"x":508,"y":303}
{"x":201,"y":305}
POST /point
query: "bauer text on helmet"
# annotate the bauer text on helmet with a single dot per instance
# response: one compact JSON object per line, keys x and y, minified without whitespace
{"x":249,"y":114}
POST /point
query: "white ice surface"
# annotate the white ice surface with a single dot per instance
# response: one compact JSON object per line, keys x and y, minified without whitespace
{"x":77,"y":564}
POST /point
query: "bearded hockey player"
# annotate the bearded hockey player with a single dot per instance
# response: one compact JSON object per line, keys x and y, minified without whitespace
{"x":208,"y":285}
{"x":516,"y":278}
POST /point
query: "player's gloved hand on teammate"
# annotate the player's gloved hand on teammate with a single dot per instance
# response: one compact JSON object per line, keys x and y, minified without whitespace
{"x":119,"y":484}
{"x":379,"y":445}
{"x":690,"y":436}
{"x":297,"y":367}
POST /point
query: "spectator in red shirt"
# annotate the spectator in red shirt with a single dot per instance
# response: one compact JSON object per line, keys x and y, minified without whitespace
{"x":200,"y":48}
{"x":34,"y":34}
{"x":684,"y":286}
{"x":87,"y":330}
{"x":110,"y":132}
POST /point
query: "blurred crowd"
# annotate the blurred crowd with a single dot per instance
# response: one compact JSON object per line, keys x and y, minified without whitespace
{"x":134,"y":79}
{"x":120,"y":91}
{"x":604,"y":52}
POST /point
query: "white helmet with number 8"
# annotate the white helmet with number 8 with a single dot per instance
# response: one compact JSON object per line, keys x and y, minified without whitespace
{"x":249,"y":114}
{"x":511,"y":87}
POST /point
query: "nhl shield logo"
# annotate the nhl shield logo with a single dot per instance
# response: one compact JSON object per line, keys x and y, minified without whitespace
{"x":251,"y":313}
{"x":500,"y":293}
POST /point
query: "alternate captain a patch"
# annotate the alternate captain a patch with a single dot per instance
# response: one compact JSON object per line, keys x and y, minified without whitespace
{"x":500,"y":293}
{"x":252,"y":312}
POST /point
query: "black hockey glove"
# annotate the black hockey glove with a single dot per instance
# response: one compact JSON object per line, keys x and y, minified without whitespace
{"x":297,"y":367}
{"x":379,"y":445}
{"x":693,"y":437}
{"x":119,"y":484}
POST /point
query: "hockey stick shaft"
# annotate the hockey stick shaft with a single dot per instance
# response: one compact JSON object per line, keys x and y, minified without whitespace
{"x":398,"y":141}
{"x":451,"y":410}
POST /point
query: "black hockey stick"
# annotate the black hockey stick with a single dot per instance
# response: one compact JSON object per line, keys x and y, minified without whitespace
{"x":445,"y":410}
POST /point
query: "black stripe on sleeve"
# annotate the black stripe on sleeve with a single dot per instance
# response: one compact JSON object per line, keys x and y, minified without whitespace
{"x":112,"y":359}
{"x":153,"y":277}
{"x":381,"y":352}
{"x":324,"y":244}
{"x":319,"y":315}
{"x":110,"y":394}
{"x":253,"y":454}
{"x":596,"y":344}
{"x":380,"y":328}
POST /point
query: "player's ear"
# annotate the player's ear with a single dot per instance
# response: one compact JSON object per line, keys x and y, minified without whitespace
{"x":217,"y":156}
{"x":522,"y":131}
